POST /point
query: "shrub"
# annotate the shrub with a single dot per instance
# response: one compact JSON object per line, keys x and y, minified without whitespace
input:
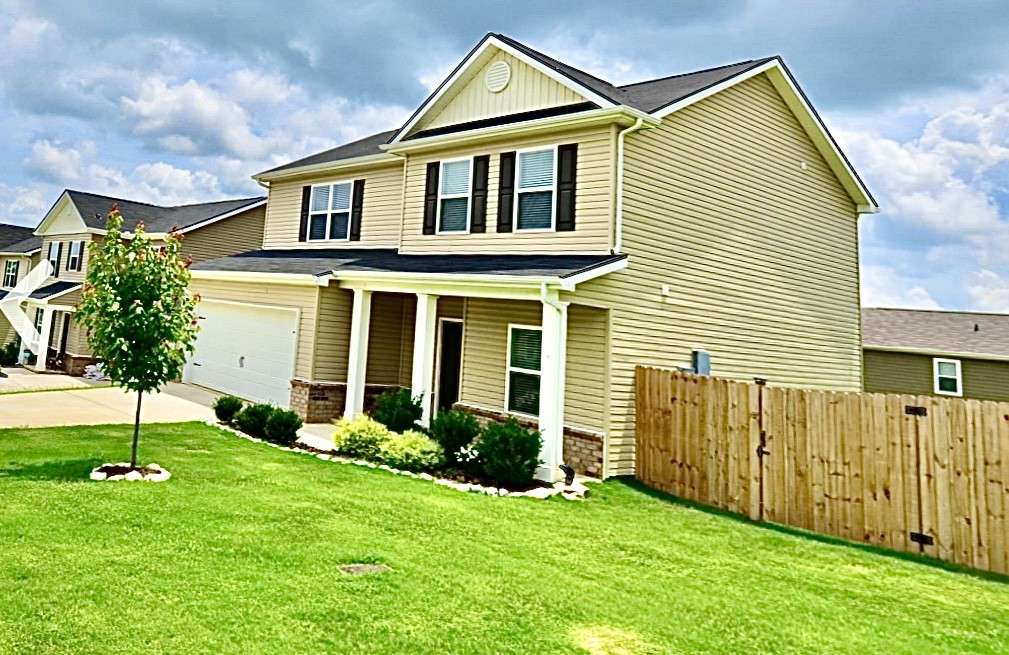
{"x":412,"y":451}
{"x":398,"y":410}
{"x":282,"y":426}
{"x":362,"y":438}
{"x":454,"y":430}
{"x":226,"y":407}
{"x":510,"y":453}
{"x":9,"y":354}
{"x":252,"y":419}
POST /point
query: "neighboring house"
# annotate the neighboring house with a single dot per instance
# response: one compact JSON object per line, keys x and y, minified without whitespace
{"x":959,"y":354}
{"x":531,"y":235}
{"x":209,"y":230}
{"x":19,"y":252}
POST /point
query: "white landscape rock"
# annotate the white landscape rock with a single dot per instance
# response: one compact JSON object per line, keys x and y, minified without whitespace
{"x":134,"y":476}
{"x":98,"y":475}
{"x":114,"y":478}
{"x":541,"y":492}
{"x":324,"y":456}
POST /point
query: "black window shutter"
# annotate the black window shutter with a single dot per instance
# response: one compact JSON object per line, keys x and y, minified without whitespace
{"x":306,"y":198}
{"x":356,"y":209}
{"x":70,"y":248}
{"x":481,"y":165}
{"x":567,"y":174}
{"x":59,"y":256}
{"x":506,"y":192}
{"x":431,"y":197}
{"x":80,"y":259}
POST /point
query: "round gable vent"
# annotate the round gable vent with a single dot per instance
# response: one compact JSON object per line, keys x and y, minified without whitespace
{"x":498,"y":76}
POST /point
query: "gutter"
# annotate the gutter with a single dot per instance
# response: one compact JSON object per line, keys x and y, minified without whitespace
{"x":619,"y":240}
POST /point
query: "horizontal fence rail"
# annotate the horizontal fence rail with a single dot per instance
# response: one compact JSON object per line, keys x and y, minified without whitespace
{"x":917,"y":474}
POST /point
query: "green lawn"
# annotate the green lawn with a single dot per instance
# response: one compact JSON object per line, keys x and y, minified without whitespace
{"x":238,"y":553}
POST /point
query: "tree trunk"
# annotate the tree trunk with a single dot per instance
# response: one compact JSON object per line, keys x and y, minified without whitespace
{"x":136,"y":431}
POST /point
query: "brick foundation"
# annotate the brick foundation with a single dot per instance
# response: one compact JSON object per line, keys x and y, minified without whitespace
{"x":322,"y":402}
{"x":583,"y":450}
{"x":75,"y":364}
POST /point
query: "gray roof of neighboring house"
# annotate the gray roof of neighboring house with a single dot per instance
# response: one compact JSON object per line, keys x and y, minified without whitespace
{"x":50,"y":290}
{"x":936,"y":331}
{"x":19,"y":239}
{"x":648,"y":96}
{"x":94,"y":209}
{"x":323,"y":262}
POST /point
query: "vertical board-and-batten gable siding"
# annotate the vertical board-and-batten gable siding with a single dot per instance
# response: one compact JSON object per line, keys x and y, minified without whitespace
{"x":912,"y":373}
{"x":229,"y":236}
{"x":593,"y":198}
{"x":470,"y":100}
{"x":381,"y":214}
{"x":485,"y":357}
{"x":303,"y":298}
{"x":760,"y":255}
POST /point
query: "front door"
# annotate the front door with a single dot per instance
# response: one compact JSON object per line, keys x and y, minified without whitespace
{"x":449,"y":364}
{"x":64,"y":335}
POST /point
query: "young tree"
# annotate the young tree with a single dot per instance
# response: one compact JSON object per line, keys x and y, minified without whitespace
{"x":136,"y":306}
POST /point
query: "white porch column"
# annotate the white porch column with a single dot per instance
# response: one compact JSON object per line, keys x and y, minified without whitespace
{"x":46,"y":335}
{"x":357,"y":362}
{"x":425,"y":329}
{"x":552,"y":379}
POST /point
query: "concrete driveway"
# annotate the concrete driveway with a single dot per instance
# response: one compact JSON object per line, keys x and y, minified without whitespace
{"x":91,"y":406}
{"x":14,"y":379}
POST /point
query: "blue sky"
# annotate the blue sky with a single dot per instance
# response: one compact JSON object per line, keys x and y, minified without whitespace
{"x":174,"y":102}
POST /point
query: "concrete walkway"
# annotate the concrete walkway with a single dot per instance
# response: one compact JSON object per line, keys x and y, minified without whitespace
{"x":15,"y":379}
{"x":177,"y":403}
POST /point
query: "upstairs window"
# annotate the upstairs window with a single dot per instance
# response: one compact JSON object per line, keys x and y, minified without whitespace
{"x":55,"y":247}
{"x":948,"y":377}
{"x":11,"y":272}
{"x":329,"y":215}
{"x":523,"y":381}
{"x":454,"y":196}
{"x":74,"y":257}
{"x":536,"y":184}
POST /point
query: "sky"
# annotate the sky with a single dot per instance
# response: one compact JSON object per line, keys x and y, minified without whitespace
{"x":177,"y":102}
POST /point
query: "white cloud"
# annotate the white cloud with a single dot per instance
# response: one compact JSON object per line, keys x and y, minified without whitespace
{"x":989,"y":291}
{"x":56,"y":162}
{"x":883,"y":287}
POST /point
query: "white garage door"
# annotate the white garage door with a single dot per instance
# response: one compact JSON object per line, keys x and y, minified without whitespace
{"x":246,"y":350}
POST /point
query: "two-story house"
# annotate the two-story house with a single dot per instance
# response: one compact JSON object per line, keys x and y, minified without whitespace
{"x":19,"y":252}
{"x":531,"y":235}
{"x":77,"y":220}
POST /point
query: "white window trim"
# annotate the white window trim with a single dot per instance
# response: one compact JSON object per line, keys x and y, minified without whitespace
{"x":11,"y":270}
{"x":959,"y":376}
{"x":468,"y":195}
{"x":54,"y":249}
{"x":509,"y":368}
{"x":73,"y":265}
{"x":518,"y":192}
{"x":330,"y":212}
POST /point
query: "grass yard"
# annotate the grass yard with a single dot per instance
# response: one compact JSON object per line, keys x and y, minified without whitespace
{"x":238,"y":553}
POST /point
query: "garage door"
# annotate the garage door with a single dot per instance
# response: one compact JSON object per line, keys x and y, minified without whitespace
{"x":246,"y":350}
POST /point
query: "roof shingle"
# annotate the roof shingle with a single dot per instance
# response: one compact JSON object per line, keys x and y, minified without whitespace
{"x":936,"y":331}
{"x":94,"y":209}
{"x":18,"y":239}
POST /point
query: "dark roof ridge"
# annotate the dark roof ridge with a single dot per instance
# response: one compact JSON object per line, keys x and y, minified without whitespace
{"x":760,"y":60}
{"x":935,"y":311}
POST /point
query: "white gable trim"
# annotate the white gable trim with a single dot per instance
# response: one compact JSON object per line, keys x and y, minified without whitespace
{"x":54,"y":211}
{"x":465,"y":65}
{"x":785,"y":84}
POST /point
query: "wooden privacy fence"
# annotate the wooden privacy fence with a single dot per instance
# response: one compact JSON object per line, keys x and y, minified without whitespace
{"x":912,"y":473}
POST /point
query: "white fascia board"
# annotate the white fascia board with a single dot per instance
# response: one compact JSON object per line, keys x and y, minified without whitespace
{"x":294,"y":279}
{"x":464,"y":66}
{"x":26,"y":255}
{"x":221,"y":217}
{"x":569,"y":283}
{"x":587,"y":118}
{"x":328,"y":167}
{"x":937,"y":353}
{"x":807,"y":117}
{"x":47,"y":299}
{"x":51,"y":214}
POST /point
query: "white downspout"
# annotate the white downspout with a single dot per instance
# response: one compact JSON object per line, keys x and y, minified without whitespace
{"x":619,"y":240}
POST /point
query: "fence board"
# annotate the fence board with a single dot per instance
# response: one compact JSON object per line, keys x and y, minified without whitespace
{"x":856,"y":466}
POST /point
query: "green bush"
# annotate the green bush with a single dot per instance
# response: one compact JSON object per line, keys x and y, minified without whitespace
{"x":510,"y":453}
{"x":9,"y":354}
{"x":362,"y":438}
{"x":252,"y":419}
{"x":454,"y":430}
{"x":397,"y":410}
{"x":282,"y":427}
{"x":226,"y":407}
{"x":412,"y":451}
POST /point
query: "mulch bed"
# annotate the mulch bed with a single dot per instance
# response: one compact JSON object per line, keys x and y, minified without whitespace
{"x":116,"y":469}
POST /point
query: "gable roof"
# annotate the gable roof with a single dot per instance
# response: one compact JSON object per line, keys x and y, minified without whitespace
{"x":94,"y":209}
{"x":18,"y":239}
{"x":936,"y":332}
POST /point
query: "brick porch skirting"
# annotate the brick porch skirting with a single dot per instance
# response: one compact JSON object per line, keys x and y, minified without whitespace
{"x":75,"y":364}
{"x":322,"y":402}
{"x":583,"y":449}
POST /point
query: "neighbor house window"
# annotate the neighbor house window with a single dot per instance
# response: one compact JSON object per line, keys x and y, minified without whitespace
{"x":11,"y":272}
{"x":453,"y":196}
{"x":523,"y":382}
{"x":74,"y":257}
{"x":54,"y":256}
{"x":329,"y":216}
{"x":535,"y":207}
{"x":948,"y":377}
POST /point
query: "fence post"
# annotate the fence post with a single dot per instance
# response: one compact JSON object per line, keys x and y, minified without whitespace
{"x":762,"y":447}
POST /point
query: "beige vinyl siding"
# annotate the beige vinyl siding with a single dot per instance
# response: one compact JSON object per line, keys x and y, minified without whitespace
{"x":759,"y":255}
{"x":7,"y":333}
{"x":228,"y":236}
{"x":24,"y":266}
{"x":303,"y":298}
{"x":66,"y":240}
{"x":390,"y":339}
{"x":593,"y":199}
{"x":470,"y":100}
{"x":585,"y":379}
{"x":381,"y":210}
{"x":912,"y":373}
{"x":77,"y":339}
{"x":332,"y":335}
